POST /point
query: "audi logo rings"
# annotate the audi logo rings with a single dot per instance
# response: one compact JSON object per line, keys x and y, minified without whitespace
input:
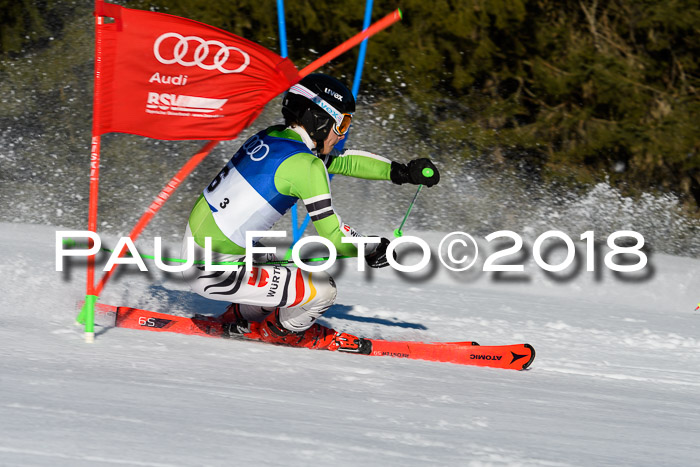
{"x":200,"y":53}
{"x":253,"y":146}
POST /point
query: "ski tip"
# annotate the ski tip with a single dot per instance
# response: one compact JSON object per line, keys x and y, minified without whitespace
{"x":532,"y":356}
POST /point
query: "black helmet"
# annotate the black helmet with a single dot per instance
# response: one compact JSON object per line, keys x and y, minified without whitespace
{"x":319,"y":102}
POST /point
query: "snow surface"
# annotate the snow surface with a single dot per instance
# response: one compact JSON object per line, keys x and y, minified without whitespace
{"x":616,"y":380}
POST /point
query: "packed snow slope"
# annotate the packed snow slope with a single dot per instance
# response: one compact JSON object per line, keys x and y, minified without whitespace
{"x":616,"y":380}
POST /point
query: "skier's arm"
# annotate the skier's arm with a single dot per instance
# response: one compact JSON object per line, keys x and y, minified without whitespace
{"x":358,"y":164}
{"x":363,"y":164}
{"x":304,"y":176}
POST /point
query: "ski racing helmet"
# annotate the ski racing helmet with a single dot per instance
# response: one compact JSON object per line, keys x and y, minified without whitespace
{"x":320,"y":103}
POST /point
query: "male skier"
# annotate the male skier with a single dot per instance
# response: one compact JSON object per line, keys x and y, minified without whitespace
{"x":270,"y":172}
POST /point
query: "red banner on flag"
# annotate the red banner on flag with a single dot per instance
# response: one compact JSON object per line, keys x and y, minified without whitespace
{"x":167,"y":77}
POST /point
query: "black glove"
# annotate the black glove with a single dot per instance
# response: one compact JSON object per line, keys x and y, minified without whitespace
{"x":377,"y":258}
{"x":413,"y":173}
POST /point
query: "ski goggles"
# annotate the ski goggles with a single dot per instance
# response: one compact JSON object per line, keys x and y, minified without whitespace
{"x":341,"y":128}
{"x":342,"y":120}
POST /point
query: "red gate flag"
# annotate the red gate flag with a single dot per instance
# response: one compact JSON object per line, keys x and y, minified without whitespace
{"x":167,"y":77}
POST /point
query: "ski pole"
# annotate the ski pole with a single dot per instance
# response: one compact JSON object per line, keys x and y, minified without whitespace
{"x":427,"y":172}
{"x":69,"y":242}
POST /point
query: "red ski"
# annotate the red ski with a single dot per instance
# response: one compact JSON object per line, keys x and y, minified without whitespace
{"x":514,"y":357}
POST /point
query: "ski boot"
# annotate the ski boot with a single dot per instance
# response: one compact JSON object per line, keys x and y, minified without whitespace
{"x":232,"y":321}
{"x":316,"y":337}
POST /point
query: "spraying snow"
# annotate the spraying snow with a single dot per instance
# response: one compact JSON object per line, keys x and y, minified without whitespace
{"x":615,"y":382}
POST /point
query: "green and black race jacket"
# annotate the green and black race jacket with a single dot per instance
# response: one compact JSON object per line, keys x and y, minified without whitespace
{"x":269,"y":173}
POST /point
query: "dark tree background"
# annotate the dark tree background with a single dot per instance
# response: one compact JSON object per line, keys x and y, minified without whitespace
{"x":569,"y":91}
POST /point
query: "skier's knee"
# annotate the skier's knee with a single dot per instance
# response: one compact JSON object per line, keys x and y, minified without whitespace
{"x":326,"y":292}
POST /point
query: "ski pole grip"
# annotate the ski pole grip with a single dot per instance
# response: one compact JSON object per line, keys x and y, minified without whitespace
{"x":428,"y":172}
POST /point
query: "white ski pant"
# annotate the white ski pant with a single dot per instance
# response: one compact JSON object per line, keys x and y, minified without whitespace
{"x":301,"y":296}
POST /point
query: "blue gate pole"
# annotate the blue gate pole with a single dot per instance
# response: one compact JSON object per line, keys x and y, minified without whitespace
{"x":363,"y":51}
{"x":282,"y":28}
{"x":297,"y":232}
